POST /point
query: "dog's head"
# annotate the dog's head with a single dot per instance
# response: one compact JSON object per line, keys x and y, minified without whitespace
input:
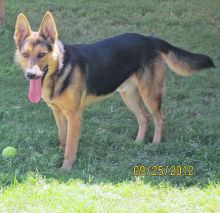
{"x":34,"y":49}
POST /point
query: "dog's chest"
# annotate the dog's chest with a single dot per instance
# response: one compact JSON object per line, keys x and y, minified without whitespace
{"x":47,"y":89}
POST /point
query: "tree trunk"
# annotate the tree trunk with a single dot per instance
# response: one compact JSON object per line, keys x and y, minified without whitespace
{"x":2,"y":11}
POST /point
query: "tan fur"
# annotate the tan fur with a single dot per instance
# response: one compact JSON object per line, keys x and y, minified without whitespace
{"x":22,"y":29}
{"x":131,"y":97}
{"x":33,"y":51}
{"x":178,"y":66}
{"x":146,"y":90}
{"x":152,"y":94}
{"x":68,"y":112}
{"x":91,"y":99}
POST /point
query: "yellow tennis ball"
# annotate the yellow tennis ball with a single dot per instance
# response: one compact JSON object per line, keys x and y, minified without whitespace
{"x":9,"y":152}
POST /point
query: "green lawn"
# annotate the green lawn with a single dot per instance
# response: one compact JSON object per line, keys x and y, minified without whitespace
{"x":102,"y":179}
{"x":37,"y":195}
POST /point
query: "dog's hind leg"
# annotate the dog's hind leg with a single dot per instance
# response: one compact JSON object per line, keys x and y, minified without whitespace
{"x":150,"y":86}
{"x":130,"y":96}
{"x":154,"y":106}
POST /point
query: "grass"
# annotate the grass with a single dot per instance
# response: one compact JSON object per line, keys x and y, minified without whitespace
{"x":76,"y":196}
{"x":102,"y":178}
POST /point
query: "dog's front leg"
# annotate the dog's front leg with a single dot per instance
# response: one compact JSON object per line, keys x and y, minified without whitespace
{"x":61,"y":126}
{"x":73,"y":133}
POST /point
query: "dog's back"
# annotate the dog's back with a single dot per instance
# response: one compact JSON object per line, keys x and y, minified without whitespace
{"x":111,"y":61}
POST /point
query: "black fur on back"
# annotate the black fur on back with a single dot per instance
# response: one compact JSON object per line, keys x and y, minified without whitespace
{"x":111,"y":61}
{"x":108,"y":63}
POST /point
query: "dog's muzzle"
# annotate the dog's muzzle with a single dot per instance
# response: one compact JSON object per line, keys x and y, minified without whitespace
{"x":34,"y":73}
{"x":30,"y":75}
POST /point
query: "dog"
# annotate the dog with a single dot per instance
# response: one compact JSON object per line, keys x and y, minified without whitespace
{"x":71,"y":77}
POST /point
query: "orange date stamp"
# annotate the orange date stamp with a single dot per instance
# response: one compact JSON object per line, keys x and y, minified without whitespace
{"x":159,"y":170}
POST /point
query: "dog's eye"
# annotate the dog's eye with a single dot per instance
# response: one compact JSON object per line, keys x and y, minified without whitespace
{"x":25,"y":55}
{"x":41,"y":55}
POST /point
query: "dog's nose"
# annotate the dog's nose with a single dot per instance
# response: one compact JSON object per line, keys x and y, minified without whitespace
{"x":30,"y":75}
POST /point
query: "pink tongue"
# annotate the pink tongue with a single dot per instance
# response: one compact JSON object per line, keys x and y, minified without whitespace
{"x":34,"y":94}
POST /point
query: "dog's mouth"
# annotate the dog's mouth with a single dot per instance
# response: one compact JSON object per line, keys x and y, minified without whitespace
{"x":35,"y":87}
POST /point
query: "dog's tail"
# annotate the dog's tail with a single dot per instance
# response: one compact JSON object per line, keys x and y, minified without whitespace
{"x":183,"y":62}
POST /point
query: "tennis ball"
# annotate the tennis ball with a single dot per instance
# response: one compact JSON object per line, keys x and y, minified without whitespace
{"x":9,"y":152}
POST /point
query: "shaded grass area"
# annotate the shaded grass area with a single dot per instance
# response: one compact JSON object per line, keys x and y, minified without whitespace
{"x":107,"y":153}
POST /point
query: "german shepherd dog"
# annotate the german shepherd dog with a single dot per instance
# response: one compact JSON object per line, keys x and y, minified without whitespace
{"x":70,"y":77}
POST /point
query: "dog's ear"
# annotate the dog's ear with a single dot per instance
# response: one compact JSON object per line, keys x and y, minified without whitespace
{"x":22,"y":29}
{"x":48,"y":28}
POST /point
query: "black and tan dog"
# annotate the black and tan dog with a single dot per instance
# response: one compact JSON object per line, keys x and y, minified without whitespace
{"x":70,"y":77}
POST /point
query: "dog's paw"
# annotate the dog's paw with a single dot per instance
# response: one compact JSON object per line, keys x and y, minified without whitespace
{"x":62,"y":147}
{"x":156,"y":142}
{"x":65,"y":169}
{"x":139,"y":140}
{"x":67,"y":166}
